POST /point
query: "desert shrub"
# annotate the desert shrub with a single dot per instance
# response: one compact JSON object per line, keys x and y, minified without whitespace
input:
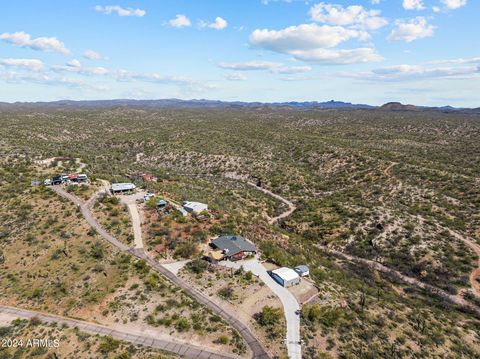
{"x":226,"y":292}
{"x":186,"y":249}
{"x":108,"y":344}
{"x":96,"y":250}
{"x":182,"y":325}
{"x":269,"y":316}
{"x":197,"y":266}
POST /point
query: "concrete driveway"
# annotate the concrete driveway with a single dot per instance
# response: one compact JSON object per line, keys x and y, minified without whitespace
{"x":290,"y":304}
{"x":177,"y":266}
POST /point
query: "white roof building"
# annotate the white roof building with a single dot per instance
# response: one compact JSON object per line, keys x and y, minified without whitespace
{"x":286,"y":277}
{"x":302,"y":270}
{"x":195,"y":207}
{"x":122,"y":187}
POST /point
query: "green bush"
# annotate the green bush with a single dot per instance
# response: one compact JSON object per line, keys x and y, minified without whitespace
{"x":108,"y":344}
{"x":182,"y":325}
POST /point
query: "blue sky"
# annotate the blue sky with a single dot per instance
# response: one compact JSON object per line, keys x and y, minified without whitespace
{"x":423,"y":52}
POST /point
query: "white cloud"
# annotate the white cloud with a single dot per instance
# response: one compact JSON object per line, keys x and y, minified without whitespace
{"x":459,"y":61}
{"x":430,"y":70}
{"x":76,"y":66}
{"x":303,"y":37}
{"x":74,"y":63}
{"x":250,"y":65}
{"x":296,"y":78}
{"x":354,"y":15}
{"x":45,"y":79}
{"x":180,"y":21}
{"x":186,"y":83}
{"x":219,"y":24}
{"x":273,"y":67}
{"x":338,"y":56}
{"x":29,"y":64}
{"x":46,"y":44}
{"x":291,"y":69}
{"x":403,"y":72}
{"x":236,"y":76}
{"x":411,"y":30}
{"x":413,"y":5}
{"x":454,"y":4}
{"x":314,"y":43}
{"x":120,"y":11}
{"x":93,"y":55}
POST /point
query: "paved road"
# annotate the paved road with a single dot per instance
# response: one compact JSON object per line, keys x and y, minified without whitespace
{"x":177,"y":266}
{"x":252,"y":342}
{"x":290,"y":303}
{"x":127,"y":335}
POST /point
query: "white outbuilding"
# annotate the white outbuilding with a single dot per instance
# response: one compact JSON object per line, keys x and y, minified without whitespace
{"x":195,"y":207}
{"x":302,"y":270}
{"x":122,"y":188}
{"x":286,"y":277}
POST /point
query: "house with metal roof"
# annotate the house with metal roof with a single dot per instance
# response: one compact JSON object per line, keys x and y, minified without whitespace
{"x":234,"y":247}
{"x":286,"y":277}
{"x":195,"y":207}
{"x":302,"y":270}
{"x":122,"y":187}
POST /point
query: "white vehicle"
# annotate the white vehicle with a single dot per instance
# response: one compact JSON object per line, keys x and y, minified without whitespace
{"x":148,"y":196}
{"x":47,"y":182}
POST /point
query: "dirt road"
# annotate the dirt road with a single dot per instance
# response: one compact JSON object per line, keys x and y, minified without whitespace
{"x":125,"y":334}
{"x":412,"y":281}
{"x":289,"y":211}
{"x":476,"y":249}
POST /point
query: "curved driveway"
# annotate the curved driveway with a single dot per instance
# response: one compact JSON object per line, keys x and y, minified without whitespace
{"x":252,"y":342}
{"x":179,"y":348}
{"x":289,"y":302}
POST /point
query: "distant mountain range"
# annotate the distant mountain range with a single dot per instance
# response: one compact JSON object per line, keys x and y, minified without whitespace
{"x":176,"y":103}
